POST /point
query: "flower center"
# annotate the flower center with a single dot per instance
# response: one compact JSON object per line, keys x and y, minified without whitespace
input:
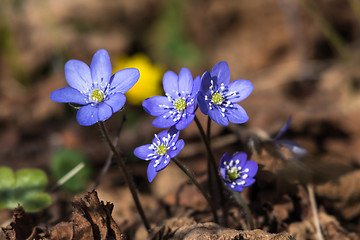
{"x":161,"y":149}
{"x":233,"y":174}
{"x":97,"y":95}
{"x":180,"y":104}
{"x":217,"y":98}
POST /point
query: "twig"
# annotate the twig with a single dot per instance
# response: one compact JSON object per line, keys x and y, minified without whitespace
{"x":310,"y":189}
{"x":68,"y":176}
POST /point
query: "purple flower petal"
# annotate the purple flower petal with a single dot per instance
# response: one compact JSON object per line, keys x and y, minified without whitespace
{"x":124,"y":79}
{"x":116,"y":101}
{"x":179,"y":146}
{"x":237,"y":114}
{"x":185,"y":121}
{"x":298,"y":152}
{"x":78,"y":76}
{"x":191,"y":108}
{"x":241,"y":156}
{"x":237,"y":188}
{"x":143,"y":151}
{"x":225,"y":159}
{"x":222,"y":73}
{"x":249,"y":182}
{"x":101,"y":67}
{"x":164,"y":121}
{"x":170,"y":83}
{"x":253,"y":168}
{"x":165,"y":160}
{"x":196,"y":87}
{"x":104,"y":111}
{"x":68,"y":95}
{"x":173,"y":131}
{"x":151,"y":171}
{"x":242,"y":87}
{"x":287,"y":143}
{"x":222,"y":173}
{"x":205,"y":82}
{"x":154,"y":105}
{"x":284,"y":128}
{"x":87,"y":115}
{"x":295,"y":149}
{"x":202,"y":103}
{"x":161,"y":135}
{"x":185,"y":81}
{"x":217,"y":117}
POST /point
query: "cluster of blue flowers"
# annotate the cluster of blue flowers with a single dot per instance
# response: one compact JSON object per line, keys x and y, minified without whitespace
{"x":101,"y":94}
{"x":215,"y":95}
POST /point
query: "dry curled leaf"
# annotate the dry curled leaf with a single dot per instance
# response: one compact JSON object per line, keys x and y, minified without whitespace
{"x":91,"y":219}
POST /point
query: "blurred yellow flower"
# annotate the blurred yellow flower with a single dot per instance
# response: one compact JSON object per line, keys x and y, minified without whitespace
{"x":149,"y":83}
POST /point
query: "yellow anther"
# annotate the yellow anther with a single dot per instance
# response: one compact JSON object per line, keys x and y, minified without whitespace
{"x":217,"y":98}
{"x":161,"y":149}
{"x":180,"y":104}
{"x":97,"y":95}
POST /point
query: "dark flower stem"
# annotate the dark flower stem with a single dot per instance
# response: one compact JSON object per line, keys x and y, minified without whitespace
{"x":246,"y":208}
{"x":208,"y":130}
{"x":110,"y":156}
{"x":196,"y":183}
{"x":127,"y":177}
{"x":209,"y":167}
{"x":214,"y":166}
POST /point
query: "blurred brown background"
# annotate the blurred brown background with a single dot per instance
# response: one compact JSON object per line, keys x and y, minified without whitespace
{"x":302,"y":56}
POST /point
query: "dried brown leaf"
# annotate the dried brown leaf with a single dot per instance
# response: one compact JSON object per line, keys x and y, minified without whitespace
{"x":91,"y":220}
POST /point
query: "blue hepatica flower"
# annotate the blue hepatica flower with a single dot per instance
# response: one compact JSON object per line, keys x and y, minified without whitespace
{"x":218,"y":96}
{"x":237,"y":172}
{"x":164,"y":146}
{"x":100,"y":93}
{"x":294,"y":151}
{"x":178,"y":107}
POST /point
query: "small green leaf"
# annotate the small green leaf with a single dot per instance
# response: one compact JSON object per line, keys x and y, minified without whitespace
{"x":35,"y":201}
{"x":7,"y":178}
{"x":7,"y":181}
{"x":25,"y":187}
{"x":11,"y":203}
{"x":31,"y":179}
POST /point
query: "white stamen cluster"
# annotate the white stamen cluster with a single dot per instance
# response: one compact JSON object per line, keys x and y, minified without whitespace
{"x":96,"y":93}
{"x":160,"y":148}
{"x":178,"y":106}
{"x":220,"y":98}
{"x":233,"y":172}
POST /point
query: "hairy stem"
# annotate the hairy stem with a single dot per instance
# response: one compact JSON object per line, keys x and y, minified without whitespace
{"x":127,"y":177}
{"x":110,"y":156}
{"x":213,"y":164}
{"x":209,"y":167}
{"x":246,"y":208}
